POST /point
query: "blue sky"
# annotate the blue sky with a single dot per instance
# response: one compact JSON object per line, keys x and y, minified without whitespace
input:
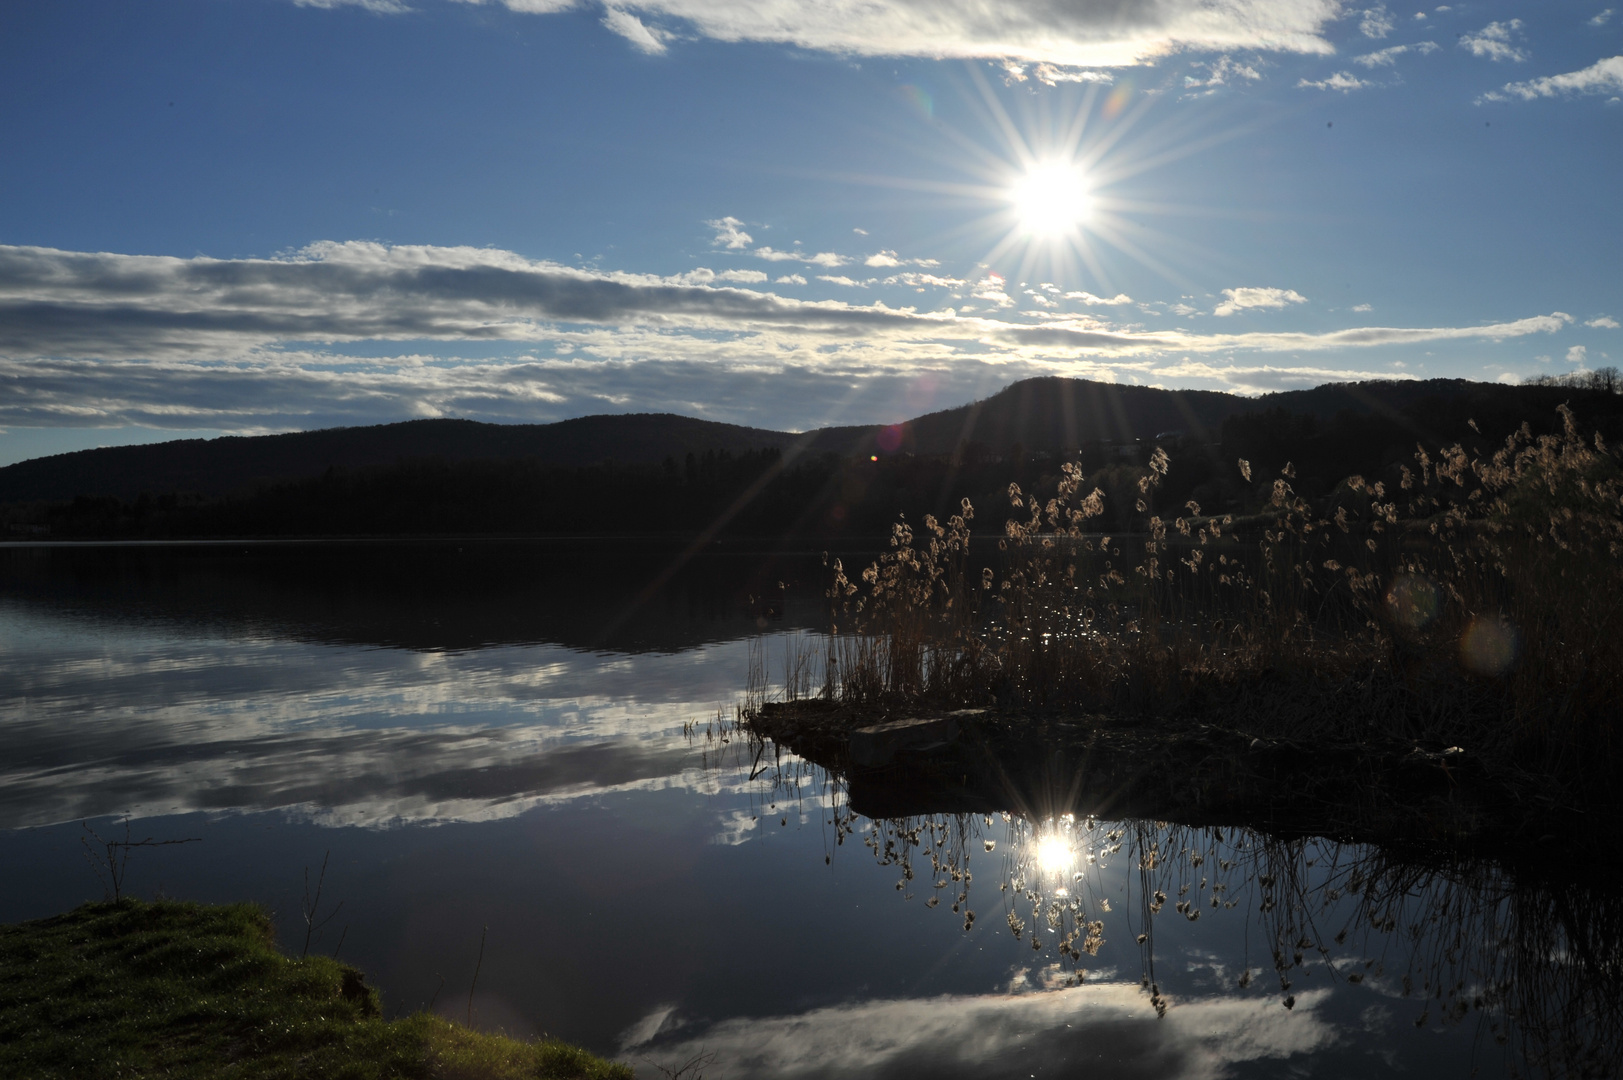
{"x":240,"y":216}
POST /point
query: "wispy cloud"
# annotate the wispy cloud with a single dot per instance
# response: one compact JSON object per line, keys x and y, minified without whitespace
{"x":1344,"y":81}
{"x":1603,"y":321}
{"x":1601,"y":77}
{"x":1602,"y":18}
{"x":1494,"y":41}
{"x":1386,"y":57}
{"x":643,"y":37}
{"x":1243,"y":298}
{"x":1376,"y":22}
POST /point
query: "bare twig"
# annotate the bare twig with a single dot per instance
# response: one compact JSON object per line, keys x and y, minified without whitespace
{"x":312,"y":908}
{"x":477,"y":965}
{"x":112,"y":861}
{"x":691,"y":1069}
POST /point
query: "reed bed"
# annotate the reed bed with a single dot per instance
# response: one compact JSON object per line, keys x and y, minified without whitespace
{"x":1468,"y":605}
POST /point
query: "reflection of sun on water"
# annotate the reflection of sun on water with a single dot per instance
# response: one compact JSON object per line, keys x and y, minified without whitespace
{"x":1054,"y":855}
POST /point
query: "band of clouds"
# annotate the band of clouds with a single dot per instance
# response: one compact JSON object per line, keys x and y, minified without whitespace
{"x":1107,"y":33}
{"x":93,"y":339}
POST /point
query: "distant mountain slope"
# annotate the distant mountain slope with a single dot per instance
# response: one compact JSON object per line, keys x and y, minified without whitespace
{"x":1037,"y":414}
{"x":218,"y":466}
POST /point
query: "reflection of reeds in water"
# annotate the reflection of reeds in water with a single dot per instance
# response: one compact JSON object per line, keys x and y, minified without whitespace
{"x":1533,"y":958}
{"x":1476,"y":605}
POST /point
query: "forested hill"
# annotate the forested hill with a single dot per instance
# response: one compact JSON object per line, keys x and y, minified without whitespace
{"x":1035,"y":415}
{"x":234,"y":463}
{"x":1057,"y":414}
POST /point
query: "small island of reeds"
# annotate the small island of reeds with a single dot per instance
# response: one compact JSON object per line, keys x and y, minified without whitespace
{"x":133,"y":989}
{"x":1435,"y":654}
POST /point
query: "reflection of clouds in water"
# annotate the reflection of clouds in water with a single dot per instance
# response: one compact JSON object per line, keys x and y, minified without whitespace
{"x":120,"y":719}
{"x":1110,"y":1025}
{"x":737,"y":827}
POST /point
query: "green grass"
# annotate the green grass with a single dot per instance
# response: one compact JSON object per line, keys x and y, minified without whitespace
{"x":132,"y":989}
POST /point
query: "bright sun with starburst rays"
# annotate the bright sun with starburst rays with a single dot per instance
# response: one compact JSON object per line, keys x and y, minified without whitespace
{"x":1052,"y":199}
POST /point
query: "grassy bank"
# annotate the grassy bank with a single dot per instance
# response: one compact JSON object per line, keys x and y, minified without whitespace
{"x":132,"y":989}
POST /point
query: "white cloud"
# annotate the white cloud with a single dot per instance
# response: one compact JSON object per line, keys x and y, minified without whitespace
{"x":1220,"y":72}
{"x":1376,"y":23}
{"x":730,"y":233}
{"x":378,"y":7}
{"x":1602,"y":18}
{"x":1094,"y":301}
{"x":841,"y":279}
{"x":1063,"y":35}
{"x":1362,"y":307}
{"x":883,"y":258}
{"x":1051,"y":75}
{"x":1493,"y":41}
{"x":1601,"y":77}
{"x":534,"y":7}
{"x":642,"y":37}
{"x":860,"y":232}
{"x":1243,"y":298}
{"x":990,"y":288}
{"x":822,"y":258}
{"x":790,"y":279}
{"x":1264,"y":379}
{"x":1577,"y":355}
{"x":1385,"y":57}
{"x":1344,"y":81}
{"x":704,"y":276}
{"x":915,"y":280}
{"x":1603,"y":321}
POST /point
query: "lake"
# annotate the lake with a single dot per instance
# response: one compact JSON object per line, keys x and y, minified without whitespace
{"x":518,"y":764}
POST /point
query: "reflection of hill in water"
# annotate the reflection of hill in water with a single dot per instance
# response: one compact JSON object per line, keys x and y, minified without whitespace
{"x":432,"y":595}
{"x":1522,"y":946}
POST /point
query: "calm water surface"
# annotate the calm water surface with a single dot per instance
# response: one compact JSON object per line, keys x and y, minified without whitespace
{"x":520,"y":743}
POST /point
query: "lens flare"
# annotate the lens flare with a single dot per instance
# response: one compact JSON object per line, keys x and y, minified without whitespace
{"x":1413,"y":601}
{"x":1489,"y":645}
{"x":1052,"y":199}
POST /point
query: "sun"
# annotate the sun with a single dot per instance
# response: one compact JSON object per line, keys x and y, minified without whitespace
{"x":1052,"y":199}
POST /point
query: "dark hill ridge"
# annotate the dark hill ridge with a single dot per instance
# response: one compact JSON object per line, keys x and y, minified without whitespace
{"x":231,"y":463}
{"x":1037,"y":414}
